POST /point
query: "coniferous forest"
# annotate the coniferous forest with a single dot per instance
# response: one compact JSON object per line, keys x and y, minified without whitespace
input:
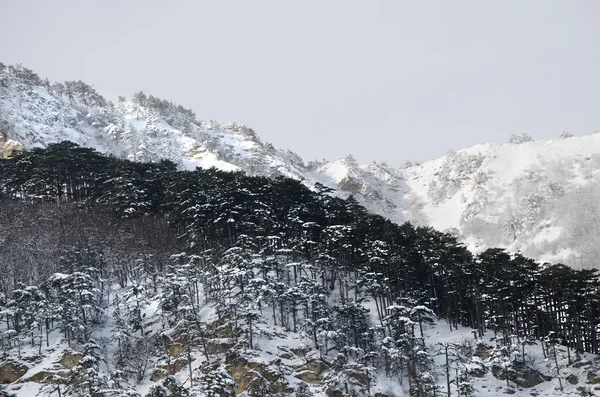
{"x":145,"y":250}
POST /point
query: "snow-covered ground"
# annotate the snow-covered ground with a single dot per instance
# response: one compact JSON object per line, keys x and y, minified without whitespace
{"x":275,"y":347}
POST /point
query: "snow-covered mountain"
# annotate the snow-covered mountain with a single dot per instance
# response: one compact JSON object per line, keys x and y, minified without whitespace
{"x":538,"y":197}
{"x":34,"y":113}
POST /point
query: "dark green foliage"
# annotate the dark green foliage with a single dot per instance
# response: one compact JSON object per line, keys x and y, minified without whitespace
{"x":304,"y":243}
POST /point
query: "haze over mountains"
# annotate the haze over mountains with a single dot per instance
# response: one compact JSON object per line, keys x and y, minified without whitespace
{"x":540,"y":197}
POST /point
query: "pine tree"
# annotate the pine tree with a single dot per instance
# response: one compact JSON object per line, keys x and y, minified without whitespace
{"x":215,"y":381}
{"x":303,"y":391}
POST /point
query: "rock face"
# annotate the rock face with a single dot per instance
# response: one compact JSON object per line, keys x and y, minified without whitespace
{"x":309,"y":377}
{"x":158,"y":374}
{"x":521,"y":374}
{"x":218,"y":347}
{"x":176,"y":349}
{"x":482,"y":351}
{"x":593,"y":378}
{"x":46,"y":376}
{"x":334,"y":393}
{"x":572,"y":379}
{"x":8,"y":147}
{"x":357,"y":376}
{"x":248,"y":375}
{"x":70,"y":359}
{"x":11,"y":371}
{"x":312,"y":372}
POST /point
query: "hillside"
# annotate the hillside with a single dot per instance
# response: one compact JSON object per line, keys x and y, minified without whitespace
{"x":125,"y":278}
{"x":35,"y":113}
{"x":538,"y":197}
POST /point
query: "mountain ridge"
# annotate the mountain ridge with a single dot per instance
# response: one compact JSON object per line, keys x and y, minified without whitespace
{"x":520,"y":195}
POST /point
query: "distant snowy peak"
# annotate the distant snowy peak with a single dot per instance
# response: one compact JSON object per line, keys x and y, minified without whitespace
{"x":381,"y":188}
{"x":541,"y":197}
{"x":34,"y":113}
{"x":534,"y":196}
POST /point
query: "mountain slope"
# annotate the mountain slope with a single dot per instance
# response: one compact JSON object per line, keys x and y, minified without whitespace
{"x":209,"y":283}
{"x":34,"y":113}
{"x":538,"y":197}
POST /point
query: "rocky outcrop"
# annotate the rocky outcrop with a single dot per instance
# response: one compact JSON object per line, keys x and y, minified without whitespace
{"x":593,"y":378}
{"x":477,"y":368}
{"x":312,"y":371}
{"x":482,"y":351}
{"x":11,"y":371}
{"x":219,"y":347}
{"x":158,"y":375}
{"x":8,"y":147}
{"x":285,"y":353}
{"x":309,"y":377}
{"x":357,"y":376}
{"x":333,"y":392}
{"x":70,"y":359}
{"x":572,"y":379}
{"x":172,"y":367}
{"x":249,"y":374}
{"x":47,"y":376}
{"x":520,"y":374}
{"x":175,"y":349}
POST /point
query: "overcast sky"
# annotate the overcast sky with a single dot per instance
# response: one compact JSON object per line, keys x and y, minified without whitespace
{"x":383,"y":80}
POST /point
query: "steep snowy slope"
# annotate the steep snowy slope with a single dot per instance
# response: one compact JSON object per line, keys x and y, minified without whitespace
{"x":539,"y":197}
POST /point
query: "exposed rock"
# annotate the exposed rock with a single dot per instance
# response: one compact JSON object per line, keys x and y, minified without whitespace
{"x":11,"y":371}
{"x":309,"y":377}
{"x":8,"y":147}
{"x":582,"y":363}
{"x":593,"y":378}
{"x":250,"y":374}
{"x":70,"y":359}
{"x":300,"y":351}
{"x":333,"y":393}
{"x":357,"y":377}
{"x":218,"y":347}
{"x":381,"y":395}
{"x":584,"y":391}
{"x":318,"y":366}
{"x":350,"y":184}
{"x":286,"y":356}
{"x":520,"y":374}
{"x":482,"y":351}
{"x":175,"y":365}
{"x":46,"y":376}
{"x":222,"y":328}
{"x":572,"y":379}
{"x":159,"y":374}
{"x":32,"y":359}
{"x":285,"y":353}
{"x":176,"y":349}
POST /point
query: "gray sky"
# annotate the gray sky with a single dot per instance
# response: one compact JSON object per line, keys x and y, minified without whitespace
{"x":383,"y":80}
